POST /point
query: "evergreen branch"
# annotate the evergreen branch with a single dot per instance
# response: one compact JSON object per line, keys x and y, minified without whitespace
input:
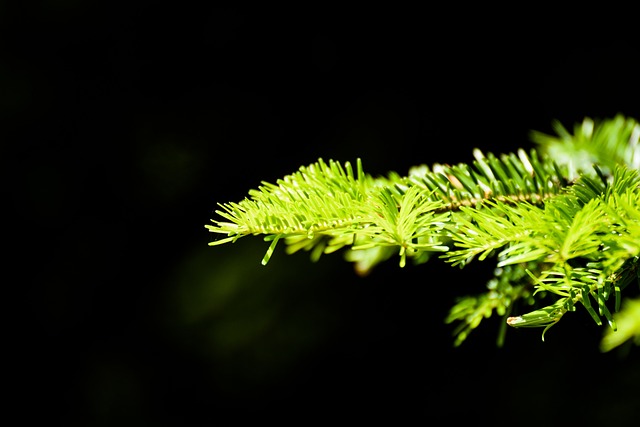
{"x":324,"y":207}
{"x":593,"y":223}
{"x":327,"y":200}
{"x":562,"y":221}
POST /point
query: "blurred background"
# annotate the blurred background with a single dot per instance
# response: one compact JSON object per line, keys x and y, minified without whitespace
{"x":123,"y":126}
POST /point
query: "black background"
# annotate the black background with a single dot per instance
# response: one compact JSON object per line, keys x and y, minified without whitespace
{"x":124,"y":126}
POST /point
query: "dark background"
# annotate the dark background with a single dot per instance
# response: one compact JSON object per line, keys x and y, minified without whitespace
{"x":124,"y":126}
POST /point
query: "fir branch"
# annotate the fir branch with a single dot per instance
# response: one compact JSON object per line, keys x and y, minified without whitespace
{"x":326,"y":200}
{"x":562,"y":221}
{"x":589,"y":225}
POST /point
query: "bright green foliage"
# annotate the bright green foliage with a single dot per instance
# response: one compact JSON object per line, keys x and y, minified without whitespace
{"x":628,"y":321}
{"x":561,"y":221}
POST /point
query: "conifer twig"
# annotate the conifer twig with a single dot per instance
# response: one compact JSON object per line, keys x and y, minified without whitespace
{"x":562,"y":223}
